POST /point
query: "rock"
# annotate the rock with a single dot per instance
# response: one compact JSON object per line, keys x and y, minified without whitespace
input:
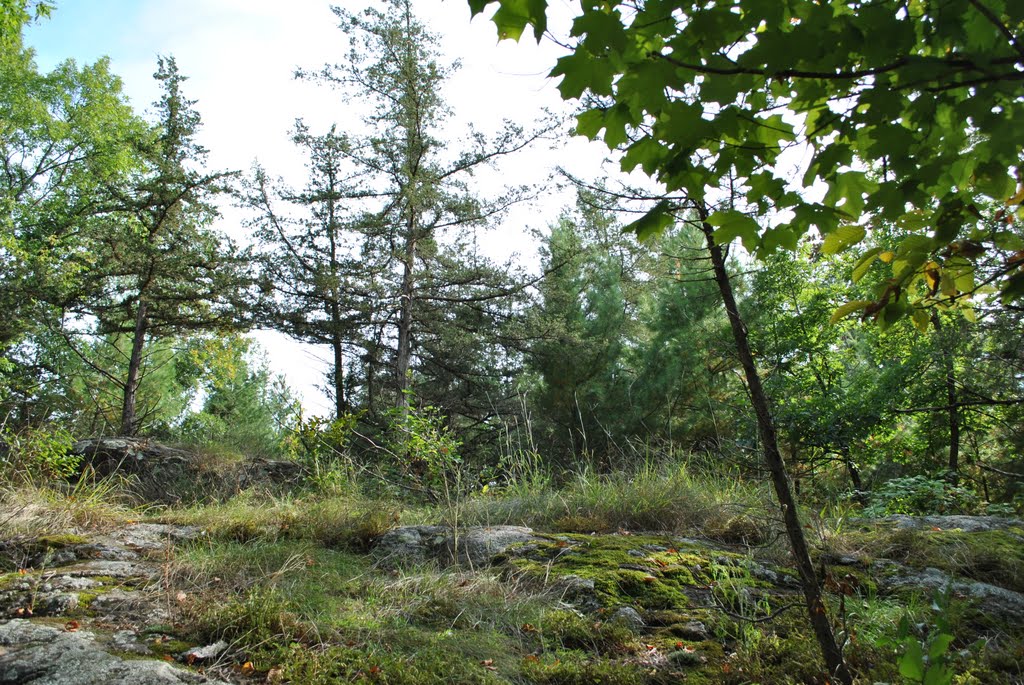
{"x":200,"y":654}
{"x":475,"y":547}
{"x":168,"y":474}
{"x":128,"y":641}
{"x":155,"y":536}
{"x":629,"y":617}
{"x":990,"y":598}
{"x":479,"y":545}
{"x":694,"y":631}
{"x":580,"y":592}
{"x":968,"y":524}
{"x":54,"y":603}
{"x":114,"y":569}
{"x":33,"y":654}
{"x":128,"y":607}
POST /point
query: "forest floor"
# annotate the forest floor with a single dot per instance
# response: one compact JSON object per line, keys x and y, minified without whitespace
{"x":639,"y":580}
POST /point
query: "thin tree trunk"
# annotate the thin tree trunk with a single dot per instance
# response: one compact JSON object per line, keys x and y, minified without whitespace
{"x":953,"y":464}
{"x":816,"y":609}
{"x":131,"y":384}
{"x":340,"y":401}
{"x":405,"y":323}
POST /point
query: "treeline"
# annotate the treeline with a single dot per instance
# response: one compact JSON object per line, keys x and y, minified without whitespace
{"x":125,"y":306}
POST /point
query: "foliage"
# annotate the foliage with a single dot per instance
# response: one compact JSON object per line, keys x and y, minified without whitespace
{"x":920,"y":495}
{"x":322,"y":445}
{"x":39,"y":453}
{"x":376,"y":255}
{"x":427,"y":451}
{"x":243,"y":406}
{"x":910,"y":117}
{"x":159,"y":269}
{"x":927,"y":660}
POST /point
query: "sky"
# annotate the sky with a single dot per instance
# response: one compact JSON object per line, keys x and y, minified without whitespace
{"x":240,"y":57}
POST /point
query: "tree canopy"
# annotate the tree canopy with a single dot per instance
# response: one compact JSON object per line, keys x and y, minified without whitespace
{"x":907,"y":113}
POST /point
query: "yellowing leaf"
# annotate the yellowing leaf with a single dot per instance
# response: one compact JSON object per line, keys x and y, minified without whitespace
{"x":887,"y":256}
{"x":849,"y":308}
{"x":920,"y":319}
{"x":1018,"y":198}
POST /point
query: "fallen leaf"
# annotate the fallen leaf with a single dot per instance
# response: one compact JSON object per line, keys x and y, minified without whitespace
{"x":529,"y":628}
{"x":72,"y":626}
{"x":679,"y":645}
{"x":168,"y":657}
{"x":22,"y":571}
{"x":275,"y":675}
{"x":180,"y":597}
{"x":533,"y":658}
{"x":248,"y":668}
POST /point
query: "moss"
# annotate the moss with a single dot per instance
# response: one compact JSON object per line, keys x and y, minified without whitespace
{"x":569,"y":630}
{"x":567,"y":668}
{"x":992,"y":556}
{"x":163,"y":645}
{"x":62,"y":540}
{"x":645,"y":572}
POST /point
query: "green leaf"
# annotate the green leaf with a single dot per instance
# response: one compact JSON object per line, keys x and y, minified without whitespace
{"x":842,"y":238}
{"x":912,"y":662}
{"x":513,"y":16}
{"x":602,"y":29}
{"x":938,"y":675}
{"x":653,"y":222}
{"x":939,"y":646}
{"x":864,"y":263}
{"x":849,"y":308}
{"x":582,"y":71}
{"x":731,"y":225}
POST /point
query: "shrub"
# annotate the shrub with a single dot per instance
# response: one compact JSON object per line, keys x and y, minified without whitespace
{"x":920,"y":495}
{"x":43,"y":452}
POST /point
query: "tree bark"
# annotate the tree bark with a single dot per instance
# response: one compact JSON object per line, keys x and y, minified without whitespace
{"x":809,"y":581}
{"x":404,"y":352}
{"x":129,"y":420}
{"x":953,"y":411}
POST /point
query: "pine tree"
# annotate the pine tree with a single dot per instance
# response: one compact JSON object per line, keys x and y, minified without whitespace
{"x":161,"y":270}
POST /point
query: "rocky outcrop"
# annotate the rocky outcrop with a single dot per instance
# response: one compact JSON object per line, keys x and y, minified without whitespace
{"x":106,"y":590}
{"x":474,"y":547}
{"x":968,"y":524}
{"x":991,"y":599}
{"x":35,"y":654}
{"x":168,"y":474}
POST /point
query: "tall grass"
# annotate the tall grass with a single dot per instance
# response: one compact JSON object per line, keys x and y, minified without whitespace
{"x":658,"y":495}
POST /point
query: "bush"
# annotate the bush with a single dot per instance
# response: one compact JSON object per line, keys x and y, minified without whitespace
{"x":920,"y":495}
{"x":38,"y":453}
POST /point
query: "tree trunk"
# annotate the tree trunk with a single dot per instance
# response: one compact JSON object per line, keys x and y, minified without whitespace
{"x":129,"y":420}
{"x":953,"y":464}
{"x":809,"y":583}
{"x":338,"y":376}
{"x":404,"y":352}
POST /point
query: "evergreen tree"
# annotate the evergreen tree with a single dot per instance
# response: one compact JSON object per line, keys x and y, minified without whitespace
{"x":160,"y":270}
{"x":383,"y":262}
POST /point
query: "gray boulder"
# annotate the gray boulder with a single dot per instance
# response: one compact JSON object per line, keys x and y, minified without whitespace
{"x":990,"y":598}
{"x":968,"y":524}
{"x":474,"y":547}
{"x":32,"y":654}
